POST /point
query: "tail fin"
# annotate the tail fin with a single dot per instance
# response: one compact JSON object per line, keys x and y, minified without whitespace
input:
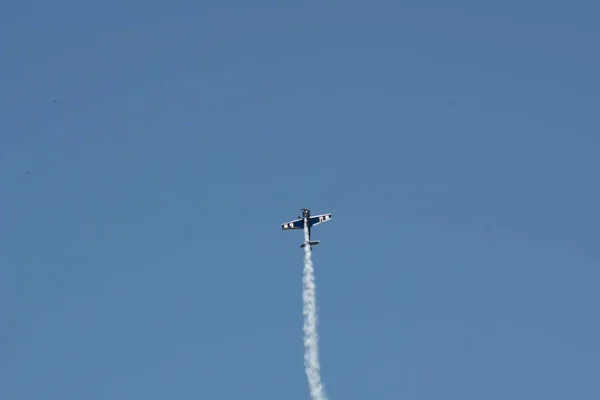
{"x":311,"y":243}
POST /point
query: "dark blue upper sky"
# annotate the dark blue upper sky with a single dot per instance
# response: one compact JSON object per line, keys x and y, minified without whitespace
{"x":149,"y":152}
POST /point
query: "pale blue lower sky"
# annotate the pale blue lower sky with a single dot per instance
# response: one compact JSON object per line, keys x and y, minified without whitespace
{"x":150,"y":151}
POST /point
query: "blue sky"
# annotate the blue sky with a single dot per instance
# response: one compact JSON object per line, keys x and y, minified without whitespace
{"x":150,"y":151}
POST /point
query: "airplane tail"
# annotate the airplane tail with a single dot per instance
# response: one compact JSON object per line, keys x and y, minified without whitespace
{"x":311,"y":243}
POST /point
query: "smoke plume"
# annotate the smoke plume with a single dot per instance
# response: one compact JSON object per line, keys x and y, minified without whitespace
{"x":311,"y":340}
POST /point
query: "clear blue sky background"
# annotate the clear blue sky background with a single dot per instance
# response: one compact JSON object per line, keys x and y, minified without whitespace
{"x":456,"y":144}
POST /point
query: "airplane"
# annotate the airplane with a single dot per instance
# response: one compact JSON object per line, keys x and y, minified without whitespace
{"x":310,"y":221}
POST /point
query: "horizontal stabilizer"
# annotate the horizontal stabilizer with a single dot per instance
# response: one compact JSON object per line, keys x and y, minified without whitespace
{"x":311,"y":243}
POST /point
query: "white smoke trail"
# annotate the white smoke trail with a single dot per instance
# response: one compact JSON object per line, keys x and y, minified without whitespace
{"x":311,"y":340}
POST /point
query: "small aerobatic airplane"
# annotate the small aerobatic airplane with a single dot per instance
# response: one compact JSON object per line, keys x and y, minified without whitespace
{"x":310,"y":221}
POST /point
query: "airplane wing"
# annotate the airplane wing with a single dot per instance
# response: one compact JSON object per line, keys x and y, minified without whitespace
{"x":319,"y":219}
{"x":296,"y":224}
